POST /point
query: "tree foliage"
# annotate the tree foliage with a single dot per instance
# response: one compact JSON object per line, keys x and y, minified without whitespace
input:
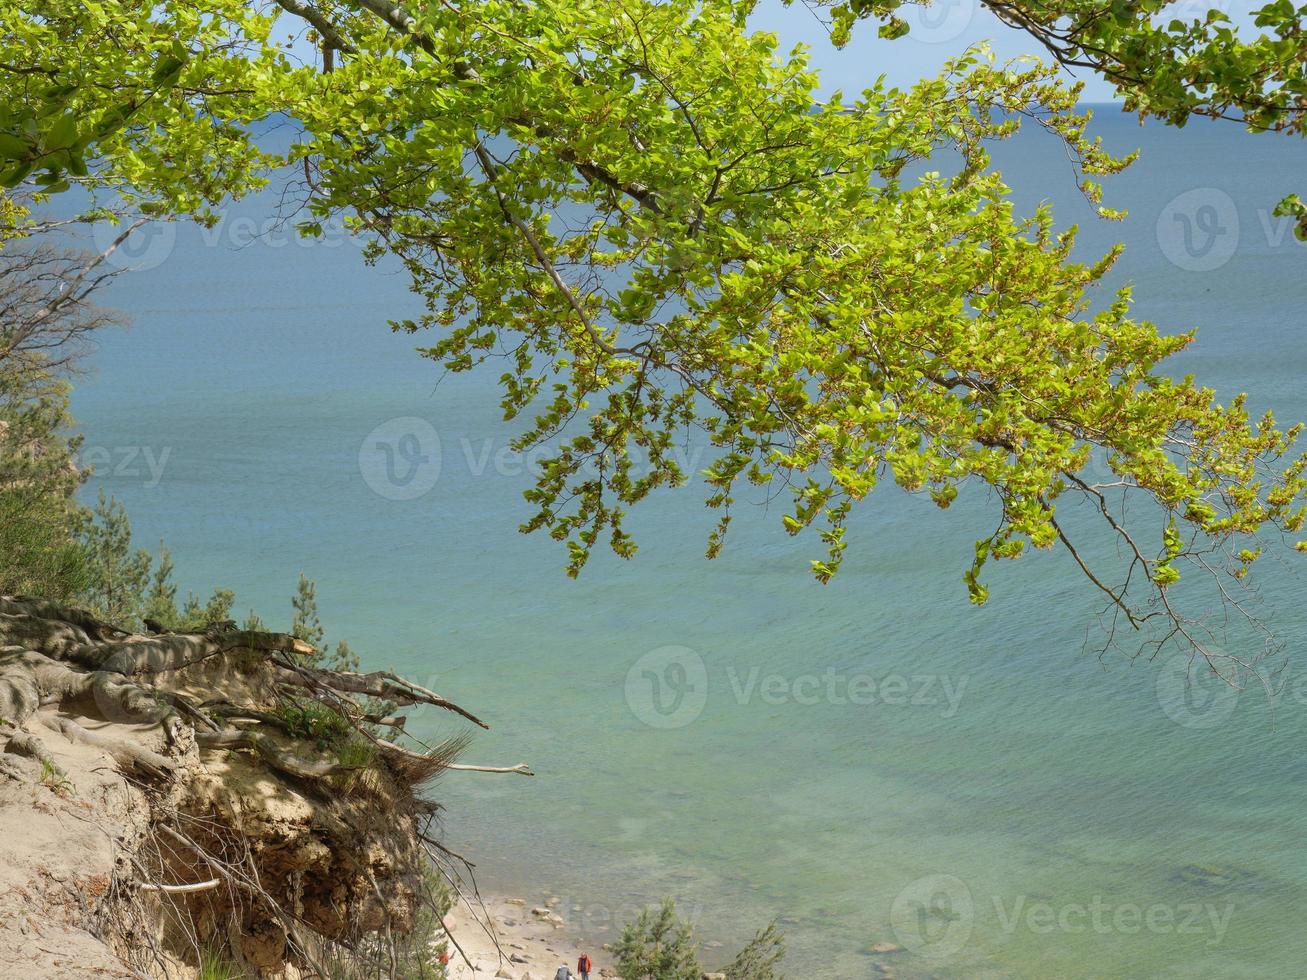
{"x":39,"y":551}
{"x":1166,"y":59}
{"x":646,"y":214}
{"x":46,"y":316}
{"x":120,"y":573}
{"x":659,"y":945}
{"x":760,"y":959}
{"x":306,"y":626}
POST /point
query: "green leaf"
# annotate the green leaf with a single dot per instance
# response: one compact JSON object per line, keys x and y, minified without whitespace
{"x":62,"y":134}
{"x":13,"y":148}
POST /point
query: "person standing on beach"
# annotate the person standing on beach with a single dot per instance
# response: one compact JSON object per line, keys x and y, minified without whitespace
{"x":584,"y":966}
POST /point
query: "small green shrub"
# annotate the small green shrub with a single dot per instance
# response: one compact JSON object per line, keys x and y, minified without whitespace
{"x":315,"y":722}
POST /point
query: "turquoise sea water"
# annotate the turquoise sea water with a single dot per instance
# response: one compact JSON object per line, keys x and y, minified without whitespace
{"x":872,"y":761}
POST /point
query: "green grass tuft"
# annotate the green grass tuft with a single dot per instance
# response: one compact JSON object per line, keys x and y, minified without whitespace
{"x":214,"y":967}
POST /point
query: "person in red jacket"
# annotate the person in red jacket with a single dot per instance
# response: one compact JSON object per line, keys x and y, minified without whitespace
{"x":584,"y":966}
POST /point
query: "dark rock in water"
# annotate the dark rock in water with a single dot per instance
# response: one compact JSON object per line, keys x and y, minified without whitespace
{"x":1211,"y":876}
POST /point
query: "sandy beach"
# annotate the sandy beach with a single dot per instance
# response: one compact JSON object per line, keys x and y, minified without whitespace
{"x":513,"y":938}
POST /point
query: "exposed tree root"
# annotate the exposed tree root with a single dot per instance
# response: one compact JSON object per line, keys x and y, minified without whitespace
{"x":21,"y":743}
{"x":378,"y":684}
{"x":398,"y":755}
{"x":274,"y":755}
{"x":256,"y":844}
{"x":126,"y":754}
{"x":199,"y":886}
{"x":50,"y":654}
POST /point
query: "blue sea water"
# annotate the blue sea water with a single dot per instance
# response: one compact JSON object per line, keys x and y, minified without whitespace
{"x":873,"y":761}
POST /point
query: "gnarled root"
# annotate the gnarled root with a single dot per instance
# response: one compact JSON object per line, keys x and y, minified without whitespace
{"x":273,"y":754}
{"x":279,"y":819}
{"x":128,"y":755}
{"x":377,"y":684}
{"x":52,"y":654}
{"x":21,"y":743}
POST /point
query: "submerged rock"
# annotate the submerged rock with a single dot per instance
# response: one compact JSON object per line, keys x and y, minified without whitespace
{"x":1211,"y":876}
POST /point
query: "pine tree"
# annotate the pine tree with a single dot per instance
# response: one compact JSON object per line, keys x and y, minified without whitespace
{"x":39,"y":549}
{"x":759,"y":959}
{"x":658,"y":946}
{"x":120,"y":574}
{"x":161,"y":603}
{"x":344,"y":658}
{"x":195,"y":616}
{"x":305,"y":624}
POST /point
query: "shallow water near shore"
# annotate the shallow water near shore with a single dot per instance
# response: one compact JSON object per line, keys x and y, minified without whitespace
{"x":870,"y":762}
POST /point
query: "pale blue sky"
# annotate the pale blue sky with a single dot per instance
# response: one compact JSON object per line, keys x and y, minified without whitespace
{"x":940,"y":31}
